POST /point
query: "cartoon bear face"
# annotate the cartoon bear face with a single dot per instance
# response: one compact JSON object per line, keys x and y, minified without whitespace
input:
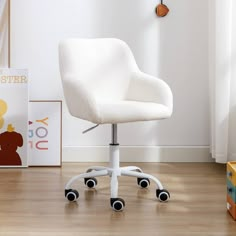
{"x":9,"y":141}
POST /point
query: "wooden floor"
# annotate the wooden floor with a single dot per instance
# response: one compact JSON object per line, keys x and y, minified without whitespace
{"x":32,"y":203}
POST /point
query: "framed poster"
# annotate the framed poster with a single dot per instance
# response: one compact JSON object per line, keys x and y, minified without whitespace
{"x":44,"y":134}
{"x":13,"y":117}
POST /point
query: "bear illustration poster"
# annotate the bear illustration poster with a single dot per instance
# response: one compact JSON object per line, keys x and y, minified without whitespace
{"x":13,"y":117}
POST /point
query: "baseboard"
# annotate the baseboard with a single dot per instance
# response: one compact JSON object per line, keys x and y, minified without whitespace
{"x":139,"y":154}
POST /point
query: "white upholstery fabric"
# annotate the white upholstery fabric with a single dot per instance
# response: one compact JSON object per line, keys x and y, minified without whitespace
{"x":103,"y":84}
{"x":129,"y":111}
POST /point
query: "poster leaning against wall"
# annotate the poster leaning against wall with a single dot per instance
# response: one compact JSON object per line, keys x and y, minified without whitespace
{"x":44,"y":136}
{"x":13,"y":117}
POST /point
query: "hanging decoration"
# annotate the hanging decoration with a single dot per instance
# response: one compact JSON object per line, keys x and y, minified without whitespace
{"x":161,"y":9}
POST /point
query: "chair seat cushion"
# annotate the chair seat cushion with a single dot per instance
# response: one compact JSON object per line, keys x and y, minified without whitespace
{"x":130,"y":111}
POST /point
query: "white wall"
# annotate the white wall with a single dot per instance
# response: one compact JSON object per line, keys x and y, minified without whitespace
{"x":174,"y":48}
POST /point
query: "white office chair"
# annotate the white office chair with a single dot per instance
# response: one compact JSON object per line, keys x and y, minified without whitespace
{"x":103,"y":84}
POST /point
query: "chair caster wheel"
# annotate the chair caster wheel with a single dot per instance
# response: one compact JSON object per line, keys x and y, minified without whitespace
{"x":143,"y":182}
{"x":117,"y":204}
{"x":90,"y":182}
{"x":163,"y":195}
{"x":71,"y":195}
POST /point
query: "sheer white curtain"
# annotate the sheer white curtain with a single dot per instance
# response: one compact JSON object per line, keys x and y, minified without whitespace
{"x":3,"y":33}
{"x":222,"y":73}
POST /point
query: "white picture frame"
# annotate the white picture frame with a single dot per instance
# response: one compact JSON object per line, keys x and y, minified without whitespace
{"x":45,"y":133}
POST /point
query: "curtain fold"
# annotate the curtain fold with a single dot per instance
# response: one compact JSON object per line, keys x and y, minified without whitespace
{"x":222,"y":65}
{"x":3,"y":33}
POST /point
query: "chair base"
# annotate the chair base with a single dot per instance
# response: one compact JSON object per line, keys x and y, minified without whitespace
{"x":114,"y":171}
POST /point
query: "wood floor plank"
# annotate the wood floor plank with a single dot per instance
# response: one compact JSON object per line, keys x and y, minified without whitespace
{"x":32,"y":202}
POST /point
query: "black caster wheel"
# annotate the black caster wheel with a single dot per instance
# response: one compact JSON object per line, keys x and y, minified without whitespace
{"x":117,"y":204}
{"x":163,"y":195}
{"x":90,"y":182}
{"x":143,"y":182}
{"x":71,"y":195}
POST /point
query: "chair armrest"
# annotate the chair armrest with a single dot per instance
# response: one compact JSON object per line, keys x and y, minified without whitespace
{"x":79,"y":101}
{"x":147,"y":88}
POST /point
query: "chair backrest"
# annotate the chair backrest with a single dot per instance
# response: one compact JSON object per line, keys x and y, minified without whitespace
{"x":104,"y":65}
